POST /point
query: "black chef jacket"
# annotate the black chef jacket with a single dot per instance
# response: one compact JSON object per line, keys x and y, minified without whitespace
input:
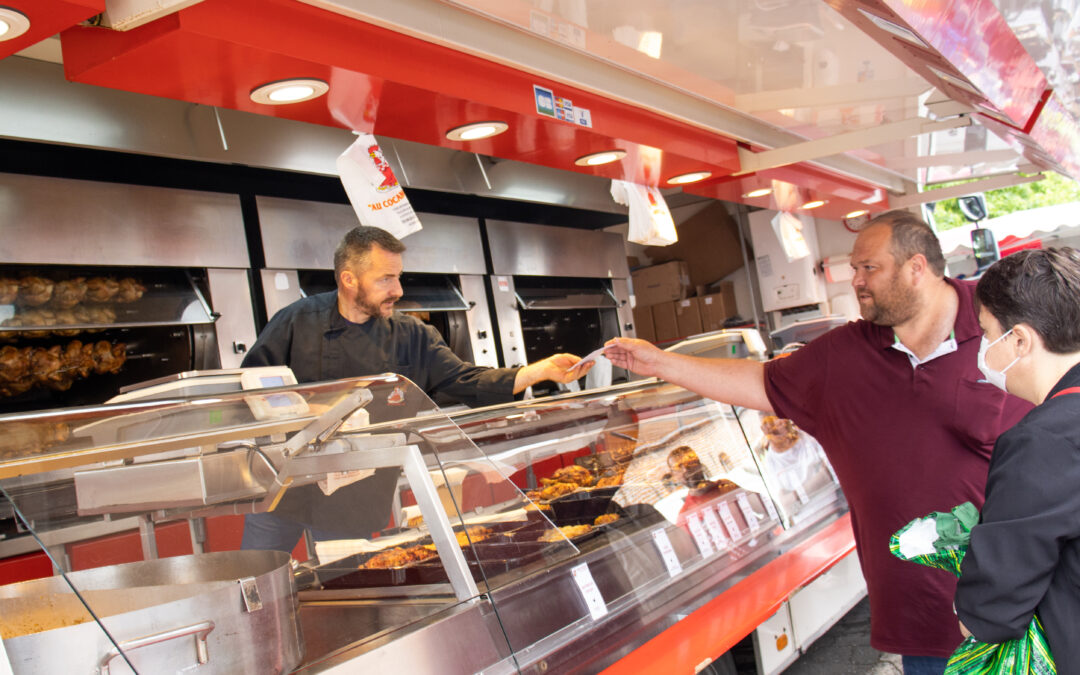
{"x":317,"y":343}
{"x":1025,"y":553}
{"x":311,"y":337}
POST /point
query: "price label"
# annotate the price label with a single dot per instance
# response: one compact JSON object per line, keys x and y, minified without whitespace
{"x":701,"y":537}
{"x":667,"y":553}
{"x":729,"y":521}
{"x":747,"y":511}
{"x":769,"y":508}
{"x":715,"y":531}
{"x":589,"y":590}
{"x":801,"y":494}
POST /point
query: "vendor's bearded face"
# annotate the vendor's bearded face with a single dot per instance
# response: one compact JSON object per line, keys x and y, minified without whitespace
{"x":686,"y":468}
{"x":781,"y":433}
{"x":886,"y":295}
{"x":374,"y":283}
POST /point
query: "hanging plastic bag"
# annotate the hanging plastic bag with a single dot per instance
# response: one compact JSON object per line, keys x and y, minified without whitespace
{"x":650,"y":219}
{"x":940,"y":540}
{"x":373,"y":190}
{"x":789,"y":230}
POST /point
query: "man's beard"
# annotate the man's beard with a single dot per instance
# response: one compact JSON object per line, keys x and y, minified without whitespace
{"x":893,"y":306}
{"x":373,"y":309}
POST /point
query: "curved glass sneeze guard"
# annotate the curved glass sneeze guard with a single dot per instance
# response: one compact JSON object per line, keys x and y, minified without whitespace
{"x":374,"y":491}
{"x":653,"y":482}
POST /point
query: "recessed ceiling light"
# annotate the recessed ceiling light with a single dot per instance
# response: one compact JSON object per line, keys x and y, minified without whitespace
{"x":685,"y":178}
{"x":856,"y":214}
{"x":894,"y":29}
{"x":813,"y":205}
{"x":760,"y":192}
{"x":598,"y":158}
{"x":289,"y":91}
{"x":13,"y":23}
{"x":477,"y":130}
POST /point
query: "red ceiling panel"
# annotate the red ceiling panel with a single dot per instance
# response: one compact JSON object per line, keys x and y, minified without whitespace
{"x":47,"y":18}
{"x":216,"y":52}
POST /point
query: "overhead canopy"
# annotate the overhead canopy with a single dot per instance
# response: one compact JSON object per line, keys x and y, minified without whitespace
{"x":849,"y":100}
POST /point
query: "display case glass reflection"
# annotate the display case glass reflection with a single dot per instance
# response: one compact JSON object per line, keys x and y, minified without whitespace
{"x":793,"y":464}
{"x":373,"y":491}
{"x":651,"y":478}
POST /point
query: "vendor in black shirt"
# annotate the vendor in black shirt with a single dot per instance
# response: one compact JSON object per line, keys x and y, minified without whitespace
{"x":353,"y":332}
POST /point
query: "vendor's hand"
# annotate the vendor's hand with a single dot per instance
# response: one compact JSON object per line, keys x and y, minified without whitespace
{"x":637,"y":356}
{"x":561,"y":367}
{"x":557,"y":368}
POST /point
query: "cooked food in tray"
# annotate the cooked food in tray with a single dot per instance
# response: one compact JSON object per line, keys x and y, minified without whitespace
{"x":605,"y":519}
{"x":399,"y":557}
{"x":473,"y":534}
{"x":568,"y":531}
{"x":577,"y":475}
{"x":556,"y":490}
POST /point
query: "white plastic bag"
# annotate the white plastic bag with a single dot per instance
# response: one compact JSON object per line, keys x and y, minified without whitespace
{"x":789,"y":230}
{"x":650,"y":219}
{"x":373,"y":190}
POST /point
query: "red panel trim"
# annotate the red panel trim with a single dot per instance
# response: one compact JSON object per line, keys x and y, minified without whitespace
{"x":723,"y":621}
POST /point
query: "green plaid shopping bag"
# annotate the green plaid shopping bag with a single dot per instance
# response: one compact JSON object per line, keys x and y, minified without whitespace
{"x":940,"y":540}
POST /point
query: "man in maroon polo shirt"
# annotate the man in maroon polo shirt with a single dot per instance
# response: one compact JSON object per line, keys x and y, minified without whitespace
{"x":897,"y":402}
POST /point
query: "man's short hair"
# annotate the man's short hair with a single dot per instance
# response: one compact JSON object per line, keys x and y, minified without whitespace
{"x":1040,"y":288}
{"x":356,"y":245}
{"x":910,"y":236}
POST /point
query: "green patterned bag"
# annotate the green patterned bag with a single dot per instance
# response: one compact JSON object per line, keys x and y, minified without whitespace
{"x":940,"y":540}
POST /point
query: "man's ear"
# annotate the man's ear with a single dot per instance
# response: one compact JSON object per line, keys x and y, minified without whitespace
{"x":918,"y":266}
{"x":348,"y":280}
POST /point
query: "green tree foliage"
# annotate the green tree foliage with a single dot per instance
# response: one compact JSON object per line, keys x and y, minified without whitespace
{"x":1054,"y":189}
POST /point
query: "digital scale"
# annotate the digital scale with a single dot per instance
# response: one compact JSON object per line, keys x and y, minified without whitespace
{"x":198,"y":383}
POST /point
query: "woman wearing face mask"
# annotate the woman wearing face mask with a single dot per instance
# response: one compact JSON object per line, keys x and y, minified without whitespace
{"x":1024,"y":555}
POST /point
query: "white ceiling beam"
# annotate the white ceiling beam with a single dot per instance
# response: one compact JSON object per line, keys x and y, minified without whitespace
{"x":807,"y":151}
{"x":871,"y":92}
{"x":950,"y":108}
{"x":984,"y":185}
{"x":953,"y":159}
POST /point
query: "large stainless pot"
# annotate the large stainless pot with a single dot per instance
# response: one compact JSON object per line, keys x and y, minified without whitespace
{"x":230,"y":612}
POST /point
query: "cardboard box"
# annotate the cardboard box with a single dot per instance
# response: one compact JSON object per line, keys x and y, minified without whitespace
{"x":665,"y":324}
{"x":687,"y":317}
{"x":716,"y":307}
{"x":709,"y":243}
{"x":643,"y":323}
{"x":660,"y":283}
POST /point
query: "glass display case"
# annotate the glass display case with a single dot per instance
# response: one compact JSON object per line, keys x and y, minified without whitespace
{"x":551,"y":533}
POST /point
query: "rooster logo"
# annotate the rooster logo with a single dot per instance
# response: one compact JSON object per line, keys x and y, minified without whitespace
{"x":389,"y":180}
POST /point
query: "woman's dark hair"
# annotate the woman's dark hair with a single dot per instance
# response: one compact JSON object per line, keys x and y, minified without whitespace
{"x":1040,"y":288}
{"x":911,"y":236}
{"x":357,"y":243}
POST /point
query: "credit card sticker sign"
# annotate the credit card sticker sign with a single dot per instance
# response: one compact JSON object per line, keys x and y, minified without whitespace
{"x":560,"y":107}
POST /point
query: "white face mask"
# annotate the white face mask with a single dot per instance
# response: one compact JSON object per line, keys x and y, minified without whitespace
{"x":994,"y":377}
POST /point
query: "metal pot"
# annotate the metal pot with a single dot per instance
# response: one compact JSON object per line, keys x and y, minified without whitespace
{"x":229,"y":612}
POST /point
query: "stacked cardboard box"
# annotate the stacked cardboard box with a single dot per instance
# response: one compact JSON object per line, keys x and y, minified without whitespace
{"x":662,"y":318}
{"x":708,"y":250}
